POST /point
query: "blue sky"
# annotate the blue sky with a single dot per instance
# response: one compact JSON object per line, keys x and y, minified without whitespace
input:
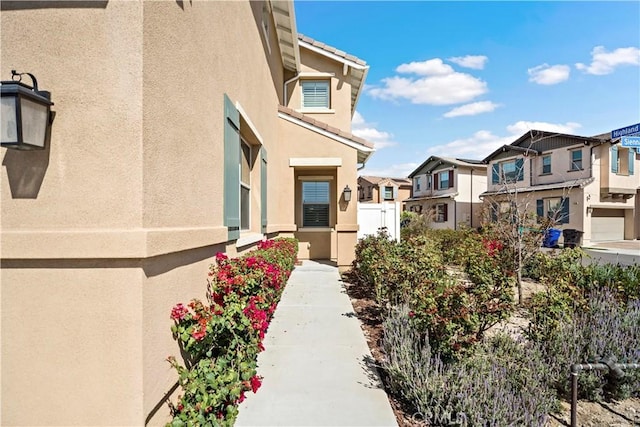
{"x":460,"y":79}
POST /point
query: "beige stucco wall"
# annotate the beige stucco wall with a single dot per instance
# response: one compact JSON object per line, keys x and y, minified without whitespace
{"x":119,"y":220}
{"x":560,"y":166}
{"x":71,"y":335}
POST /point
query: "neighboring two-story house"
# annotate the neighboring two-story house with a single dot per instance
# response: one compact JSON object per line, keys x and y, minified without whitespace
{"x":448,"y":191}
{"x":589,"y":184}
{"x":182,"y":129}
{"x":378,"y":189}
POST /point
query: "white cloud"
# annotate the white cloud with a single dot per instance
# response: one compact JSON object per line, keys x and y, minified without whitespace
{"x":441,"y":89}
{"x":476,"y":62}
{"x":519,"y":128}
{"x":603,"y":62}
{"x":482,"y":143}
{"x":546,"y":74}
{"x":472,"y":109}
{"x":477,"y":146}
{"x":399,"y":170}
{"x":360,"y":127}
{"x":431,"y":67}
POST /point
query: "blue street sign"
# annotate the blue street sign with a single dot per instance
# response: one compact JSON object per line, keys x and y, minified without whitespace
{"x":630,"y":141}
{"x":629,"y":130}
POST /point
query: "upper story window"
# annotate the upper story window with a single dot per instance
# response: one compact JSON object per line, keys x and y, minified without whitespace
{"x":388,"y":193}
{"x":622,"y":160}
{"x":315,"y":204}
{"x":443,"y":180}
{"x":416,"y":183}
{"x":507,"y":172}
{"x":576,"y":160}
{"x":315,"y":94}
{"x":546,"y":165}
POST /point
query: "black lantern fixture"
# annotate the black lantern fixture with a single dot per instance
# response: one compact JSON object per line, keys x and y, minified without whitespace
{"x":347,"y":193}
{"x":26,"y":113}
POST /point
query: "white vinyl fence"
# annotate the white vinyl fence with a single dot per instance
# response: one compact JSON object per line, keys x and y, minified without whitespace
{"x":373,"y":217}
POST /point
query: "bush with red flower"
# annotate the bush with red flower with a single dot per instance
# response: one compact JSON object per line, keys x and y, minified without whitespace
{"x":223,"y":336}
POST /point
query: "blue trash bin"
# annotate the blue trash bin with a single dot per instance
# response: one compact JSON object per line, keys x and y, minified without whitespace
{"x":551,"y":237}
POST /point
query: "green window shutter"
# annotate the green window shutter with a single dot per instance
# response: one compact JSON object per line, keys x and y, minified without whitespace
{"x":520,"y":169}
{"x":540,"y":208}
{"x":495,"y":173}
{"x":614,"y":158}
{"x":263,"y":188}
{"x":231,"y":169}
{"x":564,"y":212}
{"x":632,"y":158}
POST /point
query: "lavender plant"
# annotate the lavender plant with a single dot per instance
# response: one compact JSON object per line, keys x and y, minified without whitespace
{"x":501,"y":384}
{"x":607,"y":327}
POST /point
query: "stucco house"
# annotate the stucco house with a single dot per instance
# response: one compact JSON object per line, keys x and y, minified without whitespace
{"x":448,"y":191}
{"x":181,"y":129}
{"x":379,"y":189}
{"x":588,"y":184}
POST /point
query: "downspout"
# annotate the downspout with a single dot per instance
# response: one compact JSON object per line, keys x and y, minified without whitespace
{"x":286,"y":94}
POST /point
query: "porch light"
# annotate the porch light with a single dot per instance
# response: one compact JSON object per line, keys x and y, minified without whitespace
{"x":25,"y":114}
{"x":346,"y":193}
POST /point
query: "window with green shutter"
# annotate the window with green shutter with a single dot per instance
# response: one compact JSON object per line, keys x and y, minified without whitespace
{"x":231,"y":202}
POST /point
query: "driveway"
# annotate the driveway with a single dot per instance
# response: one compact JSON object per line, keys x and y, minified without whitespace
{"x":625,"y":252}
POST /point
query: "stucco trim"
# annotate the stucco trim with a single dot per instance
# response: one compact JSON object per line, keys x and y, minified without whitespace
{"x":315,"y":161}
{"x":246,"y":118}
{"x":249,"y":239}
{"x":360,"y":147}
{"x":347,"y":227}
{"x":113,"y":244}
{"x":274,"y":228}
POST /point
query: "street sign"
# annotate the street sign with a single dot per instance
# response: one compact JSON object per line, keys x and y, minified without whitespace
{"x":630,"y":141}
{"x":629,"y":130}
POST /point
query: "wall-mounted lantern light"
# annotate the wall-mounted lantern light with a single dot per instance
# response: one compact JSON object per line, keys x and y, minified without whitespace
{"x":25,"y":115}
{"x":347,"y":194}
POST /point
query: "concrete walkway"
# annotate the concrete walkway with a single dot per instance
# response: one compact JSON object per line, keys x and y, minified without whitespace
{"x":313,"y":365}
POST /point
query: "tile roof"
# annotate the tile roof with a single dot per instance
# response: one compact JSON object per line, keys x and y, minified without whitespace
{"x":331,"y":49}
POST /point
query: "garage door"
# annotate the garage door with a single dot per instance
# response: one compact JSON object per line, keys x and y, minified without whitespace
{"x":607,"y":225}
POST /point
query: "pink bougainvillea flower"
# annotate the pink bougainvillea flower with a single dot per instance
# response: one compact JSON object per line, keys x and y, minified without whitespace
{"x":242,"y":397}
{"x":199,"y":334}
{"x":411,"y":314}
{"x":179,"y":312}
{"x":256,"y":382}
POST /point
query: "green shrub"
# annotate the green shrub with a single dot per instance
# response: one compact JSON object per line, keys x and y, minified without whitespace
{"x":222,"y":337}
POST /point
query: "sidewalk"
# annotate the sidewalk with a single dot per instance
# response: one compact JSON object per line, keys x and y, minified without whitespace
{"x":313,"y":365}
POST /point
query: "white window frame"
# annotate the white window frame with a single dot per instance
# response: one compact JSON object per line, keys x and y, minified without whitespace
{"x":384,"y":192}
{"x":417,"y":183}
{"x":547,"y":156}
{"x":245,"y":185}
{"x":326,"y":82}
{"x":503,"y":176}
{"x":328,"y":203}
{"x":266,"y":20}
{"x":573,"y":165}
{"x":440,"y":180}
